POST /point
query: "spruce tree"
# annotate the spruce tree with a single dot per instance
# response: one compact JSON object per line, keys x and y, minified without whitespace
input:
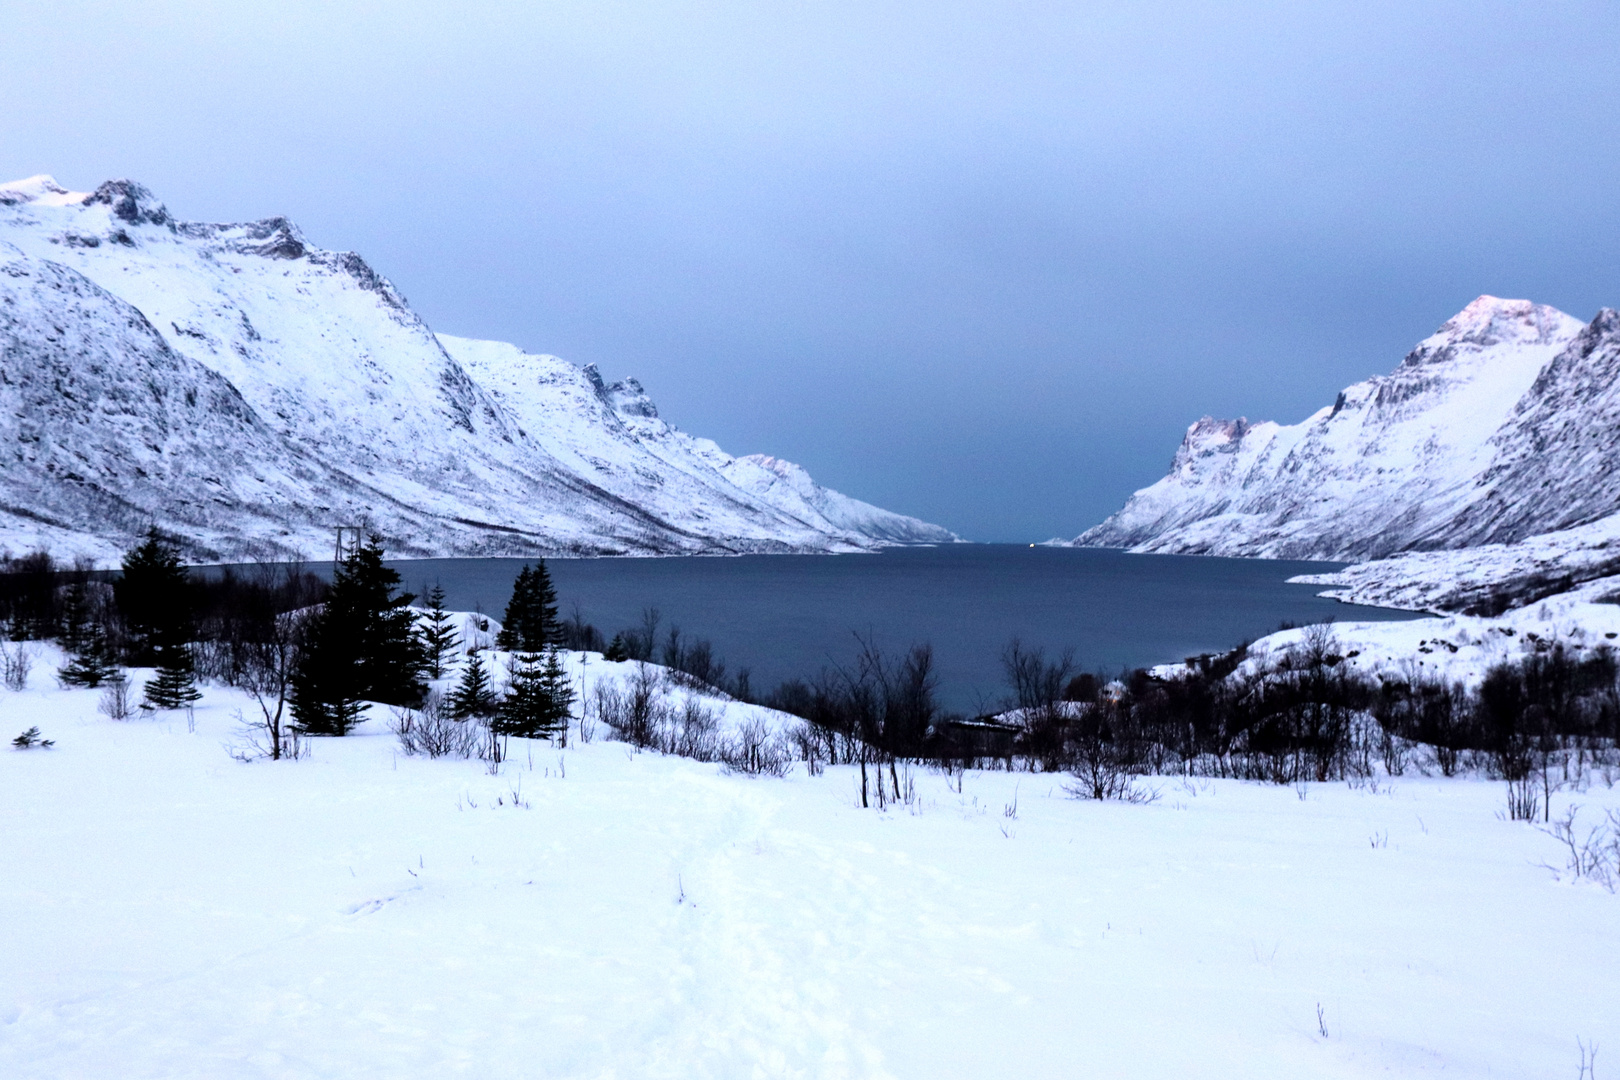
{"x":511,"y":637}
{"x":76,"y":615}
{"x":175,"y":684}
{"x":617,"y":650}
{"x":474,"y":696}
{"x":93,"y":663}
{"x":558,"y":689}
{"x":523,"y":706}
{"x":362,"y":646}
{"x":531,"y":615}
{"x":537,"y":705}
{"x":325,"y":697}
{"x":391,"y":655}
{"x":153,"y":597}
{"x":439,"y":638}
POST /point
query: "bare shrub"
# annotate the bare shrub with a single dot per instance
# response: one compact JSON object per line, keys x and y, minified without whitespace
{"x":1104,"y":782}
{"x":695,"y":732}
{"x":256,"y":741}
{"x":1101,"y":757}
{"x":1595,"y":856}
{"x":755,"y":751}
{"x":115,"y":703}
{"x":638,"y":712}
{"x":16,"y":661}
{"x":1392,"y":750}
{"x":1523,"y":797}
{"x":266,"y":663}
{"x":808,"y":744}
{"x":433,"y":731}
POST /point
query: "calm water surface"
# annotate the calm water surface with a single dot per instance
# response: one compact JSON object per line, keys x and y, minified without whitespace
{"x":788,"y":616}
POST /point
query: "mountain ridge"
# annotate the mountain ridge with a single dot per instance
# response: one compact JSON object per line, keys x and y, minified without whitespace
{"x":1488,"y":432}
{"x":347,"y":406}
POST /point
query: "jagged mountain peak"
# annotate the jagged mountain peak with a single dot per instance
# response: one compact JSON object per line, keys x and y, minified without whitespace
{"x":130,"y":202}
{"x":1495,"y":427}
{"x":1207,"y":435}
{"x":774,"y":464}
{"x":626,"y":397}
{"x":1490,"y":321}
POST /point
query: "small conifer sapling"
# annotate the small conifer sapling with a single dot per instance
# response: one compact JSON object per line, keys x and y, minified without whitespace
{"x":439,"y":636}
{"x":474,"y":696}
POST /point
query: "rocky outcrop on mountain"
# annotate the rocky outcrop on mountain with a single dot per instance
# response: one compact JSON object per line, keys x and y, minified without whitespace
{"x":250,"y":391}
{"x":1505,"y":424}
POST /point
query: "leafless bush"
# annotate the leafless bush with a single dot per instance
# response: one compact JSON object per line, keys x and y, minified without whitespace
{"x":1106,"y":782}
{"x":115,"y":703}
{"x":808,"y":746}
{"x":257,"y":740}
{"x":431,"y":730}
{"x":1524,"y":797}
{"x":587,"y":723}
{"x":694,"y":732}
{"x":638,"y":712}
{"x":265,"y":667}
{"x":755,"y":751}
{"x":16,"y":661}
{"x":1594,"y":857}
{"x":1392,"y":749}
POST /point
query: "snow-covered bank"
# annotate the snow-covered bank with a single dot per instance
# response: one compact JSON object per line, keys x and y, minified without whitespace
{"x":1460,"y":648}
{"x":1487,"y":579}
{"x":598,"y":912}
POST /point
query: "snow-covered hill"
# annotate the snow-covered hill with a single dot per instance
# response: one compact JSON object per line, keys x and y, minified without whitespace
{"x":250,"y":391}
{"x":1499,"y":427}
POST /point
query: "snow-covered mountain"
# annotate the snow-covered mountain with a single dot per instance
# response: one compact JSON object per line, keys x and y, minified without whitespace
{"x":250,"y":391}
{"x":1505,"y":424}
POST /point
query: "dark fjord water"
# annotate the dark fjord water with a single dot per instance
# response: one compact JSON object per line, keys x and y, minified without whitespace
{"x":788,"y":616}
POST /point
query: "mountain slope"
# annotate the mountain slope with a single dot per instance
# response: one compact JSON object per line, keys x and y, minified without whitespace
{"x":1498,"y":427}
{"x":612,"y":434}
{"x":345,"y":396}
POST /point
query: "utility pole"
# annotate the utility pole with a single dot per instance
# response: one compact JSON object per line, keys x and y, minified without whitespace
{"x":337,"y":550}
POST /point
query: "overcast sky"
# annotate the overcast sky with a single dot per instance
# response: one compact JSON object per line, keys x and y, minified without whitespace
{"x":982,"y":263}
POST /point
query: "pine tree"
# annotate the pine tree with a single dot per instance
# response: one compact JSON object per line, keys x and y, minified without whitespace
{"x":153,"y":597}
{"x":325,"y":697}
{"x":511,"y":636}
{"x":93,"y":663}
{"x":522,"y":706}
{"x":439,"y":638}
{"x":473,"y":696}
{"x":558,"y":689}
{"x":361,"y":646}
{"x":617,"y":650}
{"x":391,"y":655}
{"x":175,"y":684}
{"x":536,"y":707}
{"x":531,"y":615}
{"x":76,"y":615}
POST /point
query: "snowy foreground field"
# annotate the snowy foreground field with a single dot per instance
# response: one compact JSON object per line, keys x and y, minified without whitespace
{"x":594,"y":912}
